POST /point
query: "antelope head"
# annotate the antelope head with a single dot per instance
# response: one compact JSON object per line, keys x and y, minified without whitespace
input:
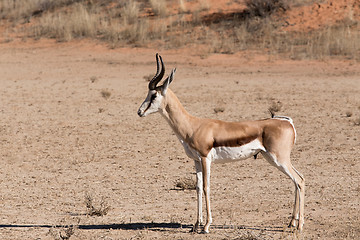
{"x":156,"y":94}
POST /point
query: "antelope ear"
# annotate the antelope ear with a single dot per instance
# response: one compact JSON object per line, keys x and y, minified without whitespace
{"x":167,"y":82}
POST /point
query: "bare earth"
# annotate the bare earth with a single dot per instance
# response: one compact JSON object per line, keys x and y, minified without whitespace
{"x":60,"y":139}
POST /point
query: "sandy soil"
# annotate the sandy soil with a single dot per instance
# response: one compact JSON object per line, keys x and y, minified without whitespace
{"x":61,"y":139}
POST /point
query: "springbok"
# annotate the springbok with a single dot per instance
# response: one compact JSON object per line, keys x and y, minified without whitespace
{"x":209,"y":141}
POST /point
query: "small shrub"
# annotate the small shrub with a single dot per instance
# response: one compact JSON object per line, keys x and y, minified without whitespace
{"x":130,"y":12}
{"x":136,"y":33}
{"x":186,"y":184}
{"x":92,"y":210}
{"x":62,"y":233}
{"x":105,"y":94}
{"x":67,"y":233}
{"x":65,"y":230}
{"x":264,"y":8}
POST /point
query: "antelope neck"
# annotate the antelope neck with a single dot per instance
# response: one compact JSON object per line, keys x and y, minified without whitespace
{"x":178,"y":118}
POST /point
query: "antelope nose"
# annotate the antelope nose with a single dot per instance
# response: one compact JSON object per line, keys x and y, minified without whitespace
{"x":139,"y":113}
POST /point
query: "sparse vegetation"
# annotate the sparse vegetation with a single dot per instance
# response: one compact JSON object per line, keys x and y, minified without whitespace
{"x":339,"y":40}
{"x":130,"y":12}
{"x":105,"y":94}
{"x":247,"y":236}
{"x":65,"y":230}
{"x":92,"y":210}
{"x":186,"y":184}
{"x":62,"y":233}
{"x":264,"y":8}
{"x":141,"y":23}
{"x":65,"y":26}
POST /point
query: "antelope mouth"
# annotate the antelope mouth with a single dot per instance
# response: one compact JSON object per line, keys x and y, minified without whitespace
{"x":141,"y":113}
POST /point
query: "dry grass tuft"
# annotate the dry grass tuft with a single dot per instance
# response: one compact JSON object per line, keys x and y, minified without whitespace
{"x":65,"y":26}
{"x":248,"y":236}
{"x":16,"y":10}
{"x":186,"y":184}
{"x":63,"y":233}
{"x":339,"y":40}
{"x":67,"y":233}
{"x":105,"y":94}
{"x":136,"y":33}
{"x":92,"y":210}
{"x":130,"y":12}
{"x":64,"y":230}
{"x":26,"y":9}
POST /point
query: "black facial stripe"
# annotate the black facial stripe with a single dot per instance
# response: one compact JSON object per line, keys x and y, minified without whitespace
{"x":152,"y":98}
{"x":147,"y":107}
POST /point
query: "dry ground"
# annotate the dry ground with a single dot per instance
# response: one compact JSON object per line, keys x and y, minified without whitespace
{"x":61,"y":140}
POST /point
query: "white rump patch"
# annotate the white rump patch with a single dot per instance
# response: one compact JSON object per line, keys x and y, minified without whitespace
{"x":284,"y":118}
{"x":230,"y":154}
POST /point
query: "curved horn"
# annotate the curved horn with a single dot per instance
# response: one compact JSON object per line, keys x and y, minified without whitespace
{"x":159,"y":74}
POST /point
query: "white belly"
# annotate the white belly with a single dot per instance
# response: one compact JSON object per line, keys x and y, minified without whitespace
{"x":230,"y":154}
{"x":226,"y":154}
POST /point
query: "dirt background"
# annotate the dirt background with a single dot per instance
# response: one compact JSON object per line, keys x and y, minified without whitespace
{"x":61,"y":139}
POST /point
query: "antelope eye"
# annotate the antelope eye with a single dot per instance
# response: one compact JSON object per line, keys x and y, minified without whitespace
{"x":153,"y":97}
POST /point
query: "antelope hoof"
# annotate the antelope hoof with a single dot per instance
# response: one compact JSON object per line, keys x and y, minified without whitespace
{"x":204,"y":231}
{"x":292,"y":223}
{"x":195,"y":228}
{"x":300,"y":227}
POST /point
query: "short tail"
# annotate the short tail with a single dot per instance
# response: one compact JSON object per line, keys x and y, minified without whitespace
{"x":272,"y":113}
